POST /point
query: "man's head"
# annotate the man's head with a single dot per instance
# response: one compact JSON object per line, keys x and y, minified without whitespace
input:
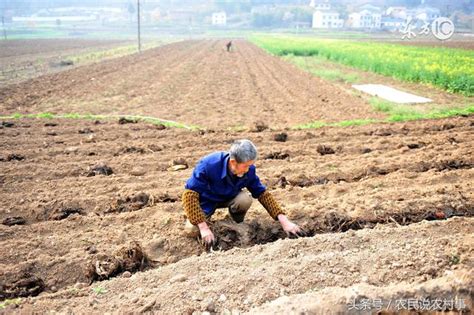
{"x":243,"y":154}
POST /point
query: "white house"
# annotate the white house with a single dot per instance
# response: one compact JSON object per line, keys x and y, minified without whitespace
{"x":365,"y":19}
{"x":397,"y":12}
{"x":392,"y":24}
{"x":371,"y":8}
{"x":327,"y":19}
{"x":320,"y":5}
{"x":219,"y":18}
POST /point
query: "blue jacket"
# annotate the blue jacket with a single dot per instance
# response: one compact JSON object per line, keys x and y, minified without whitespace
{"x":215,"y":184}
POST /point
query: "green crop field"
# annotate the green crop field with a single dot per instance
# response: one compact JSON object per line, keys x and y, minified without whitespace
{"x":448,"y":68}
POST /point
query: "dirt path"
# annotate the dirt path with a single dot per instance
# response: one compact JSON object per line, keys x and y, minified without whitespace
{"x":193,"y":82}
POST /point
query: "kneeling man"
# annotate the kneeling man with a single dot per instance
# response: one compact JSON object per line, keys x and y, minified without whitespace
{"x":218,"y":181}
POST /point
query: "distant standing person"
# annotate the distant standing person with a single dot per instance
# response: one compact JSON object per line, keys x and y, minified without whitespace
{"x":229,"y":46}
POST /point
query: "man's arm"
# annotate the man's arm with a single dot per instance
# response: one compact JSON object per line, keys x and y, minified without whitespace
{"x":260,"y":192}
{"x":192,"y":208}
{"x":271,"y":205}
{"x":278,"y":214}
{"x":197,"y":184}
{"x":196,"y":215}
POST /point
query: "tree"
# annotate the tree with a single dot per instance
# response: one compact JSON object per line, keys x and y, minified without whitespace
{"x":233,"y":6}
{"x":267,"y":19}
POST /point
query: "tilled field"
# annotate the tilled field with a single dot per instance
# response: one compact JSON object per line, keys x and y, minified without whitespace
{"x":79,"y":217}
{"x":456,"y":43}
{"x":91,"y":219}
{"x":193,"y":82}
{"x":24,"y":59}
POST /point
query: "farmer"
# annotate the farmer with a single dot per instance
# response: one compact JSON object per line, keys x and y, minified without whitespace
{"x":218,"y":181}
{"x":229,"y":46}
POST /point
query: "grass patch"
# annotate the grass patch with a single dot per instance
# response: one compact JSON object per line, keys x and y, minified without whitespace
{"x":99,"y":290}
{"x":46,"y":115}
{"x":399,"y":117}
{"x":336,"y":75}
{"x":237,"y":128}
{"x":152,"y":120}
{"x":343,"y":123}
{"x":312,"y":125}
{"x":397,"y":113}
{"x":449,"y":112}
{"x":380,"y":105}
{"x":7,"y":302}
{"x":110,"y":53}
{"x":319,"y":67}
{"x":354,"y":122}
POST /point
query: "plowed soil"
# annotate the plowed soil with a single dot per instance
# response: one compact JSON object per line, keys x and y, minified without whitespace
{"x":92,"y":220}
{"x":193,"y":82}
{"x":24,"y":59}
{"x":467,"y":44}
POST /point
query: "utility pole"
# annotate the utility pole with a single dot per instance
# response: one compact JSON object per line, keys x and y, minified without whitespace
{"x":138,"y":24}
{"x":4,"y":30}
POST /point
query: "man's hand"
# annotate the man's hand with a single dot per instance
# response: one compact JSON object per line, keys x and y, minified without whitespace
{"x":290,"y":228}
{"x":207,"y":236}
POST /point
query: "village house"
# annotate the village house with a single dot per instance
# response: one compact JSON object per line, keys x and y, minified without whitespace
{"x":365,"y":19}
{"x":219,"y":18}
{"x":320,"y":5}
{"x":327,"y":19}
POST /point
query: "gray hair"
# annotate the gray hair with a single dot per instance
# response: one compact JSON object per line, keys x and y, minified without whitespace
{"x":243,"y":151}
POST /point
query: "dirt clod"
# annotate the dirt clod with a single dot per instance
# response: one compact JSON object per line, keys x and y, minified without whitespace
{"x":130,"y":150}
{"x":99,"y":169}
{"x":14,"y":221}
{"x":7,"y":124}
{"x":63,"y":213}
{"x":22,"y":284}
{"x":13,"y":157}
{"x":166,"y":198}
{"x":130,"y":257}
{"x":281,"y":137}
{"x":85,"y":131}
{"x":301,"y":181}
{"x":414,"y":145}
{"x":124,"y":120}
{"x":65,"y":63}
{"x":453,"y":165}
{"x":382,"y":132}
{"x":260,"y":126}
{"x":324,"y":149}
{"x":133,"y":203}
{"x":277,"y":156}
{"x":160,"y":127}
